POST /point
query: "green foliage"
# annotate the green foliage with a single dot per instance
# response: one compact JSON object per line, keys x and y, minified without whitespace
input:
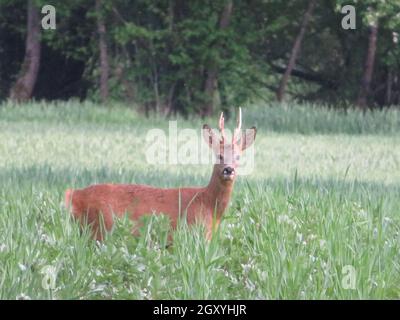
{"x":161,"y":52}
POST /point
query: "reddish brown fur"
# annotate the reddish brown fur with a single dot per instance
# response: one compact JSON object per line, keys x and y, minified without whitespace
{"x":137,"y":200}
{"x":205,"y":205}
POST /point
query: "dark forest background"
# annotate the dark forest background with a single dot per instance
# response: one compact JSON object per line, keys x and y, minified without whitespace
{"x":180,"y":56}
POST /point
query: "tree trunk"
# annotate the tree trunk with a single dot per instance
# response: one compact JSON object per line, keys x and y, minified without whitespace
{"x":23,"y":88}
{"x":170,"y":101}
{"x":210,"y":84}
{"x":389,"y":85}
{"x":209,"y":90}
{"x":171,"y":15}
{"x":104,"y":66}
{"x":295,"y":51}
{"x":365,"y":87}
{"x":396,"y":93}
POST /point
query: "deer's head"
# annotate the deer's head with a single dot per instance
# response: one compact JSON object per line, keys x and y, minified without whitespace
{"x":228,"y":153}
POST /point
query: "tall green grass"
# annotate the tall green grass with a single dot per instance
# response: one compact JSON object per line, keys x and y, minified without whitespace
{"x":324,"y":195}
{"x":290,"y":118}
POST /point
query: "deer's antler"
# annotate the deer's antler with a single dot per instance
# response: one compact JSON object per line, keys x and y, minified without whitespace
{"x":222,"y":126}
{"x":236,"y":133}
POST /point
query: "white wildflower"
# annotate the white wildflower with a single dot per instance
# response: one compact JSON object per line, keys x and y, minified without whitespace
{"x":263,"y":275}
{"x":387,"y":244}
{"x":23,"y":296}
{"x":141,"y":267}
{"x":362,"y":214}
{"x":100,"y":287}
{"x":312,"y":237}
{"x":248,"y":266}
{"x":250,"y":285}
{"x":299,"y":237}
{"x":47,"y":239}
{"x":98,"y":272}
{"x":386,"y":221}
{"x":287,"y":220}
{"x":22,"y":267}
{"x":283,"y":218}
{"x":230,"y":226}
{"x":92,"y":285}
{"x":145,"y":294}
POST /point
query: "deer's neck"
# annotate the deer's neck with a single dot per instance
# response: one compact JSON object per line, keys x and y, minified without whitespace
{"x":218,"y":193}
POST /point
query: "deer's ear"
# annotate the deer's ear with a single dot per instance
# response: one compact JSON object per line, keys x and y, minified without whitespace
{"x":248,"y":137}
{"x":210,"y":137}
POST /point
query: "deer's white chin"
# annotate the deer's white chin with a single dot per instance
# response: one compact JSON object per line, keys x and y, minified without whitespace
{"x":228,"y":177}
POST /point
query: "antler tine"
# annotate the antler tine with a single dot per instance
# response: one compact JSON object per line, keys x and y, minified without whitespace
{"x":222,"y":125}
{"x":239,"y":119}
{"x":238,"y":126}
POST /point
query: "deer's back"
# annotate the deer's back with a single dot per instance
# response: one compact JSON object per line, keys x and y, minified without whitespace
{"x":136,"y":200}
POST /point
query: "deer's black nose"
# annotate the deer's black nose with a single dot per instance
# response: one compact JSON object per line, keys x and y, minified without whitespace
{"x":229,"y":170}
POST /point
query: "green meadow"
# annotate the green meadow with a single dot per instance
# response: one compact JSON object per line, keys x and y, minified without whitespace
{"x":317,"y":218}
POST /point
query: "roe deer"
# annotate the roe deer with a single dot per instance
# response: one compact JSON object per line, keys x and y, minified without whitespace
{"x":205,"y":205}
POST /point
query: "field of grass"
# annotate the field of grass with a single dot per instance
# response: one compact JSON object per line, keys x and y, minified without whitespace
{"x":318,"y":218}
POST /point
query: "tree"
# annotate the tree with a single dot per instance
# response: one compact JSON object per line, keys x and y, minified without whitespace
{"x":379,"y":15}
{"x":193,"y":57}
{"x":369,"y":68}
{"x":104,"y":65}
{"x":23,"y":88}
{"x":210,"y":85}
{"x":295,"y":51}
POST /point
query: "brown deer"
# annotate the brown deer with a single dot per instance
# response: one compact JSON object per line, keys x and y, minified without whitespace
{"x":99,"y":204}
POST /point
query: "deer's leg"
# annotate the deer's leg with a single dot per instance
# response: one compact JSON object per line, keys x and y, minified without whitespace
{"x":100,"y":222}
{"x":139,"y":224}
{"x":136,"y":228}
{"x":212,"y":226}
